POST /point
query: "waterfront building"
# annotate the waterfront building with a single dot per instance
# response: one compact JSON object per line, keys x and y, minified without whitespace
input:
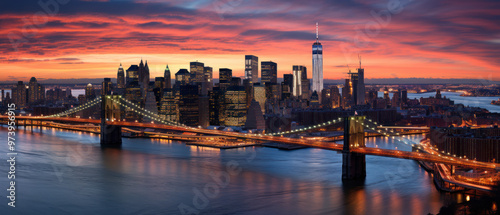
{"x":482,"y":144}
{"x":188,"y":105}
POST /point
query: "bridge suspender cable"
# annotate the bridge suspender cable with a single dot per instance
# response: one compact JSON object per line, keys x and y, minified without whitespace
{"x":145,"y":112}
{"x":331,"y":122}
{"x":77,"y":109}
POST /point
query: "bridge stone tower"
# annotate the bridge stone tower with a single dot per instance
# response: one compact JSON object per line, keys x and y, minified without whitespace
{"x":111,"y":135}
{"x":353,"y":164}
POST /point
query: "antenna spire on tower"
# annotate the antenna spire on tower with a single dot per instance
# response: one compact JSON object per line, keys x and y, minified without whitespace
{"x":317,"y":32}
{"x":359,"y":57}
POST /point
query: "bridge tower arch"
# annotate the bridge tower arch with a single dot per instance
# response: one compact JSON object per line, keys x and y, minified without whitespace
{"x":111,"y":135}
{"x":353,"y":164}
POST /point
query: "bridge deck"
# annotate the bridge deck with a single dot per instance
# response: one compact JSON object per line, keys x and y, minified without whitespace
{"x":302,"y":142}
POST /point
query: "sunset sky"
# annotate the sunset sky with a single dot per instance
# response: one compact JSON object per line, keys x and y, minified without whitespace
{"x":89,"y":39}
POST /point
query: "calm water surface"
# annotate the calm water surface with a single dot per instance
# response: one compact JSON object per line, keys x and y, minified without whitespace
{"x":63,"y":172}
{"x":483,"y":102}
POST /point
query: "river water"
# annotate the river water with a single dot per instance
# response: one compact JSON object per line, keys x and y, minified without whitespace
{"x":66,"y":172}
{"x":483,"y":102}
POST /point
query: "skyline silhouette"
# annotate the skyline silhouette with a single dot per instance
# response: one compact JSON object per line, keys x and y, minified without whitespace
{"x":404,"y":39}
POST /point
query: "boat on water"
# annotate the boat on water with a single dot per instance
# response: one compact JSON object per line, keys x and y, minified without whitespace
{"x":497,"y":102}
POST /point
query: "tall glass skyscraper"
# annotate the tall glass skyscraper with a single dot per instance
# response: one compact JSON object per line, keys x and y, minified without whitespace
{"x":317,"y":63}
{"x":298,"y":78}
{"x":269,"y":71}
{"x":197,"y":71}
{"x":252,"y":68}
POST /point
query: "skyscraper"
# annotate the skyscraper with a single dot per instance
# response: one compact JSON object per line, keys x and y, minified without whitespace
{"x":225,"y":76}
{"x":182,"y":77}
{"x":354,"y":86}
{"x":204,"y":111}
{"x":168,"y":81}
{"x":299,"y":75}
{"x":106,"y":86}
{"x":19,"y":94}
{"x":36,"y":91}
{"x":169,"y":106}
{"x":361,"y":91}
{"x":272,"y":97}
{"x":346,"y":94}
{"x":269,"y":72}
{"x":134,"y":94}
{"x":235,"y":81}
{"x":158,"y":90}
{"x":306,"y":88}
{"x":143,"y":74}
{"x":259,"y":94}
{"x":146,"y":78}
{"x":89,"y":92}
{"x":197,"y":72}
{"x":150,"y":105}
{"x":132,"y":74}
{"x":317,"y":62}
{"x":120,"y":78}
{"x":159,"y":83}
{"x":396,"y":99}
{"x":188,"y":105}
{"x":208,"y":77}
{"x":252,"y":68}
{"x":287,"y":86}
{"x":216,"y":106}
{"x":236,"y":106}
{"x":404,"y":97}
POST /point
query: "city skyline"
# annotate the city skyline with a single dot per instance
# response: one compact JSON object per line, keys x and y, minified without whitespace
{"x":89,"y":44}
{"x":250,"y":107}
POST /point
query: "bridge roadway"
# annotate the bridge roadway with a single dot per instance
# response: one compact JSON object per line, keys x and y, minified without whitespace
{"x":295,"y":141}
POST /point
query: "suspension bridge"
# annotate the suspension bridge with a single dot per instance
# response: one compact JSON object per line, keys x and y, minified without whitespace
{"x":353,"y":150}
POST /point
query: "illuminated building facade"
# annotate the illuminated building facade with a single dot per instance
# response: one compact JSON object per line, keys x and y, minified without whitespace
{"x":236,"y":108}
{"x":269,"y":72}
